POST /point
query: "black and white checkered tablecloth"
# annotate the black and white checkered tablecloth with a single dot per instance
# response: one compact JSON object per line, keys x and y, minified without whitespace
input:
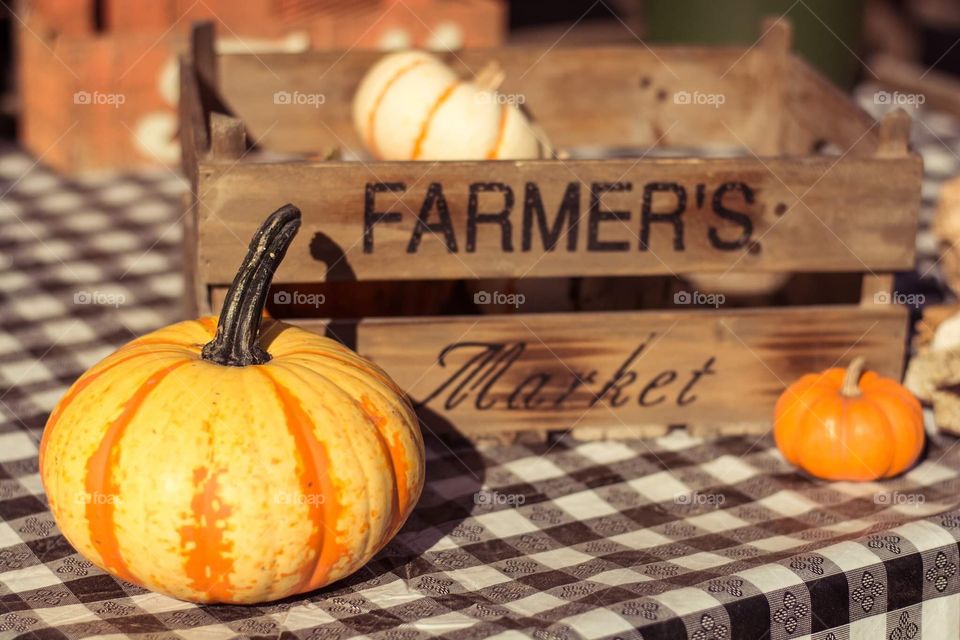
{"x":669,"y":538}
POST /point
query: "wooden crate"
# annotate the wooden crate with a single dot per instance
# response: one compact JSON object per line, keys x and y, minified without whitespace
{"x":780,"y":207}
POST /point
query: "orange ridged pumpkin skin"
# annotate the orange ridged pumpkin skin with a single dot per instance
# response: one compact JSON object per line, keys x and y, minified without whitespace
{"x":872,"y":433}
{"x":233,"y":484}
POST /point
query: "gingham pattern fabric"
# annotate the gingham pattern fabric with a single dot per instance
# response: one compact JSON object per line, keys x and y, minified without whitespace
{"x":672,"y":538}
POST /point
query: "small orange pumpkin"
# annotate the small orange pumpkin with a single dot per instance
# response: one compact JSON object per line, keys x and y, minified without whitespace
{"x":838,"y":425}
{"x":215,"y":462}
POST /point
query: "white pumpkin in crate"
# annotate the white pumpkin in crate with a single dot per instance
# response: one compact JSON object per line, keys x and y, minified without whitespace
{"x":412,"y":106}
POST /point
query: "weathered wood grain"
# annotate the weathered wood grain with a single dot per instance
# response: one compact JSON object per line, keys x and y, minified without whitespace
{"x":203,"y":53}
{"x":817,"y":113}
{"x":228,"y":139}
{"x":194,"y":136}
{"x":195,"y":301}
{"x":715,"y":369}
{"x":582,"y":96}
{"x":811,"y":214}
{"x":876,"y":288}
{"x":772,"y":63}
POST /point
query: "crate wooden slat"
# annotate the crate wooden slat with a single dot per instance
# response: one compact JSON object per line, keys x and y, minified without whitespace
{"x":777,"y":207}
{"x":612,"y":96}
{"x":589,"y":371}
{"x":852,"y":230}
{"x":642,"y":113}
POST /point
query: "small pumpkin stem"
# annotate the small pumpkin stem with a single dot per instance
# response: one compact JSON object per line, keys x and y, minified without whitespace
{"x":851,"y":379}
{"x":238,"y":332}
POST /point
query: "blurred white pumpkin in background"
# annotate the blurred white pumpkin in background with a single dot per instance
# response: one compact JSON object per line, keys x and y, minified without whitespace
{"x":446,"y":36}
{"x":412,"y":106}
{"x":739,"y":284}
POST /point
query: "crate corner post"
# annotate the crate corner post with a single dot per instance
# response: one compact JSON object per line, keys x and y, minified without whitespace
{"x":197,"y":71}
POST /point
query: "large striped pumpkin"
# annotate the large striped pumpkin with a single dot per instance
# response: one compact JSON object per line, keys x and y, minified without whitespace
{"x":412,"y":106}
{"x":218,"y":462}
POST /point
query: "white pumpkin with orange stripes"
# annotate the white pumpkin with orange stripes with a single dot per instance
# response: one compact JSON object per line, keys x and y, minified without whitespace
{"x":412,"y":106}
{"x":218,"y":462}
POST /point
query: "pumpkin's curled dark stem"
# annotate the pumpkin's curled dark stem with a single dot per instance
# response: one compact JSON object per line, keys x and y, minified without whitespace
{"x":238,"y":332}
{"x":850,"y":388}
